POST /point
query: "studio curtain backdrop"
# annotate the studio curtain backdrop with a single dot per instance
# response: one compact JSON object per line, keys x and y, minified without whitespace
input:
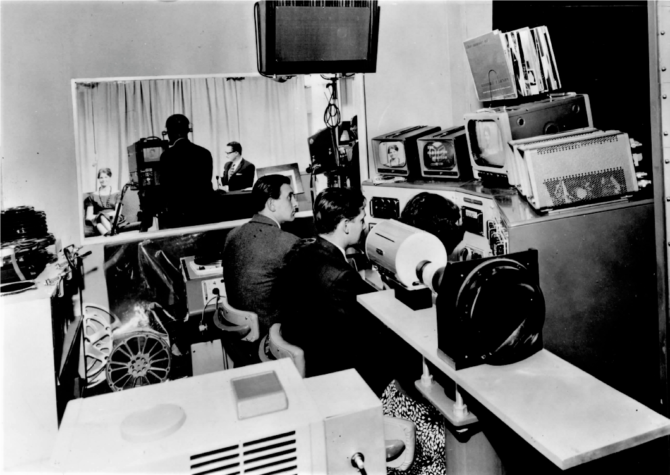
{"x":268,"y":118}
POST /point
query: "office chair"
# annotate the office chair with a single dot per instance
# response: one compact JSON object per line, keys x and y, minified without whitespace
{"x":240,"y":322}
{"x":273,"y":346}
{"x":399,"y":434}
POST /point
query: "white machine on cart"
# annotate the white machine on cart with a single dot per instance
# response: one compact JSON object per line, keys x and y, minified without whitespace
{"x":258,"y":419}
{"x":203,"y":282}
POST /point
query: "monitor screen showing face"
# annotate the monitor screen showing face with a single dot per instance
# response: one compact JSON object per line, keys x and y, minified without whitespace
{"x":439,"y":155}
{"x":152,"y":154}
{"x":392,"y":154}
{"x":490,"y":144}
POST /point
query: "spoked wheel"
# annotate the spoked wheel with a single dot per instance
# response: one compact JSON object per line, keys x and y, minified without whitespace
{"x":138,"y":359}
{"x":98,"y":342}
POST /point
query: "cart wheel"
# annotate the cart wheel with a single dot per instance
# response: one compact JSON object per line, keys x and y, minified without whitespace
{"x":138,"y":359}
{"x":97,"y":342}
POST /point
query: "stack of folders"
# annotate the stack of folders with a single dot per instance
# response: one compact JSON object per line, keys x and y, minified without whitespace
{"x":572,"y":168}
{"x":513,"y":64}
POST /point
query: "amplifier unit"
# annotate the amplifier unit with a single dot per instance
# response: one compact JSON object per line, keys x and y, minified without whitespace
{"x":517,"y":172}
{"x":203,"y":281}
{"x":577,"y":169}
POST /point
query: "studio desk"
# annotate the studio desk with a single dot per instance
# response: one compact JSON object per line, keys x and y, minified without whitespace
{"x":564,"y":413}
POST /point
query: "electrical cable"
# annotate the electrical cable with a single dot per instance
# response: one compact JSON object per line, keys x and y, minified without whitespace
{"x":312,"y":182}
{"x":358,"y":462}
{"x":332,"y":78}
{"x":66,"y":253}
{"x":331,"y":116}
{"x":202,"y":314}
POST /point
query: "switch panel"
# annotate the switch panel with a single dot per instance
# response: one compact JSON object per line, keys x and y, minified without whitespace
{"x":384,"y":208}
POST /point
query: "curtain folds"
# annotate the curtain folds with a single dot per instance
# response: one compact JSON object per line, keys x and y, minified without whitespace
{"x":268,"y":118}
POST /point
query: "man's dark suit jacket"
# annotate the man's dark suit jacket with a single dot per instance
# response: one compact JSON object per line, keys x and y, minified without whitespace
{"x":186,"y":183}
{"x":252,"y":258}
{"x":319,"y":309}
{"x":242,"y":178}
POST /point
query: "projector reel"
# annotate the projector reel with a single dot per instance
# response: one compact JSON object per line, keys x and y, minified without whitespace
{"x":139,"y":358}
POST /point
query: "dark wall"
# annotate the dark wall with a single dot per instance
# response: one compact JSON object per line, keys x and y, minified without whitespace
{"x":601,"y":49}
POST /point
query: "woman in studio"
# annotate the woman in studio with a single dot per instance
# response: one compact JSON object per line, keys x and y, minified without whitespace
{"x":101,"y":205}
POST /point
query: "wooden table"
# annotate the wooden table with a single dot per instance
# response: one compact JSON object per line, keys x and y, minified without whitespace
{"x":566,"y":414}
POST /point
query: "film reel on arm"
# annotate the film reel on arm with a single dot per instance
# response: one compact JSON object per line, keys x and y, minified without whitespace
{"x":139,"y":358}
{"x":98,"y":342}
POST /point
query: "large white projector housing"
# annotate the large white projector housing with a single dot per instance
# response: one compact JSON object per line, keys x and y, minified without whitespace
{"x":192,"y":426}
{"x":400,"y":250}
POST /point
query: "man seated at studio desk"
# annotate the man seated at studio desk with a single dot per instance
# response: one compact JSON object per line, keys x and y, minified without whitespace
{"x":238,"y":173}
{"x":253,"y":255}
{"x":319,"y":310}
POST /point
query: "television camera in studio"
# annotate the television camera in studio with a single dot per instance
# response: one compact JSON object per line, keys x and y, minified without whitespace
{"x":334,"y":155}
{"x":144,"y":158}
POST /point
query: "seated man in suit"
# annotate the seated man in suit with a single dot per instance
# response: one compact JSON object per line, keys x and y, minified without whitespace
{"x":238,"y":173}
{"x":319,"y":288}
{"x":254,"y":253}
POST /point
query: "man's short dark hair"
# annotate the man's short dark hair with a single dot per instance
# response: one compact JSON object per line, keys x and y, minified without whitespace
{"x":266,"y":187}
{"x":333,"y":205}
{"x":178,"y":124}
{"x":437,"y":215}
{"x":235,"y":146}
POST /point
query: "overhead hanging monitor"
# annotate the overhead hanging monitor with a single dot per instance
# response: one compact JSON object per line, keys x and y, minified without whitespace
{"x":316,"y":37}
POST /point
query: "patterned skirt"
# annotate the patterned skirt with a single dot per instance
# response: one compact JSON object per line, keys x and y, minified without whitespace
{"x":429,"y":452}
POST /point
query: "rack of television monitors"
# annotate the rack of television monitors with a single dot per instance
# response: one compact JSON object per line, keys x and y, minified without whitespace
{"x":478,"y":148}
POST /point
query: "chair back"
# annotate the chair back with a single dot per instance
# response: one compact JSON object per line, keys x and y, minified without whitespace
{"x":273,"y":346}
{"x":131,"y":205}
{"x":400,"y":440}
{"x":242,"y":322}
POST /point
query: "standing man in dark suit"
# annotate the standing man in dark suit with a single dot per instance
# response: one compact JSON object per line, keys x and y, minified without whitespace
{"x":238,"y":173}
{"x":186,"y":177}
{"x":319,"y":310}
{"x":253,"y":256}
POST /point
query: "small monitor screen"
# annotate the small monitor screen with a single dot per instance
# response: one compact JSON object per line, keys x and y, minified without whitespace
{"x":439,"y":155}
{"x":152,"y":154}
{"x":489,"y":143}
{"x":392,"y":154}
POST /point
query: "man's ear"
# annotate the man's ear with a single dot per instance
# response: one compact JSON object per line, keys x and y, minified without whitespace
{"x":270,"y":205}
{"x":345,"y":225}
